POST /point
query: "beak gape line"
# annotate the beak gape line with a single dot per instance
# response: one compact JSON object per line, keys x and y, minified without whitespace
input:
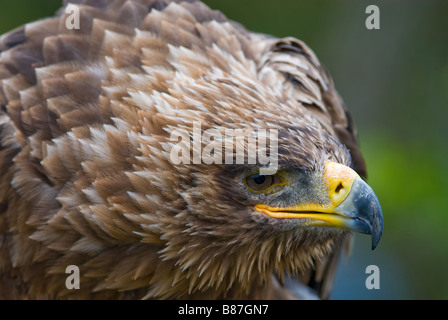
{"x":353,"y":205}
{"x":209,"y":146}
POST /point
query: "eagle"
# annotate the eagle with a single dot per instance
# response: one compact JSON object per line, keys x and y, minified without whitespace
{"x":104,"y":108}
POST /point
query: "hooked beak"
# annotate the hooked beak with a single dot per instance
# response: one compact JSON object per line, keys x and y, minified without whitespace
{"x":353,"y":205}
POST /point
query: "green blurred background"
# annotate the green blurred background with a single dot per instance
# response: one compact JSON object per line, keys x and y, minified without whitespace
{"x":395,"y":82}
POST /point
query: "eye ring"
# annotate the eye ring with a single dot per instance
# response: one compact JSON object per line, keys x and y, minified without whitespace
{"x":259,"y":183}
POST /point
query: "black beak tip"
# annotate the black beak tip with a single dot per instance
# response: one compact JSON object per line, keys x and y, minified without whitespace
{"x":375,"y":241}
{"x":367,"y":212}
{"x":377,"y":230}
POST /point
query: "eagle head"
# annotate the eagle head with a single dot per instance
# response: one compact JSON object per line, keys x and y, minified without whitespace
{"x":263,"y":187}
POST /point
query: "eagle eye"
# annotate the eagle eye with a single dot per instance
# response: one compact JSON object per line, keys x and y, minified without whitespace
{"x":261,"y":183}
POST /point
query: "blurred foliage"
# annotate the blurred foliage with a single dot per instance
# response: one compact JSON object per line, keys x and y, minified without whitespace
{"x":395,"y":82}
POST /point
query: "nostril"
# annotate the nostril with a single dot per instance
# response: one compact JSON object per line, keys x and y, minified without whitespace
{"x":339,"y":187}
